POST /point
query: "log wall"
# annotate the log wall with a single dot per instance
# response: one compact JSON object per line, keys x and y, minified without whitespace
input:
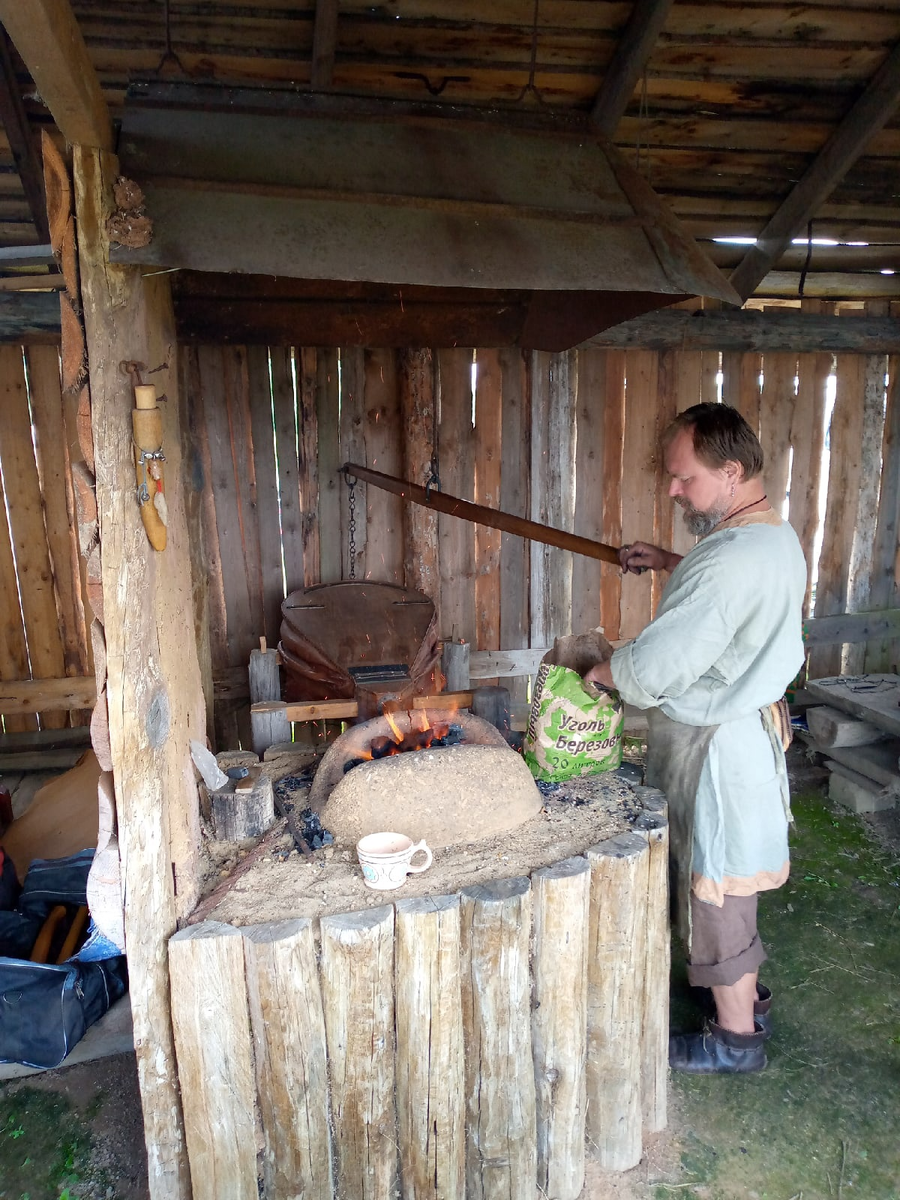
{"x":569,"y":439}
{"x":462,"y":1047}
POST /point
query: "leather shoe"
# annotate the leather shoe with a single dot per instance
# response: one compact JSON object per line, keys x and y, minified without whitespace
{"x":762,"y":1007}
{"x":718,"y":1051}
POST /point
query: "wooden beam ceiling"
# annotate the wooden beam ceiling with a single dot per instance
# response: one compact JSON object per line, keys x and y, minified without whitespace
{"x":47,"y":37}
{"x":868,"y":116}
{"x":638,"y":39}
{"x":744,"y":330}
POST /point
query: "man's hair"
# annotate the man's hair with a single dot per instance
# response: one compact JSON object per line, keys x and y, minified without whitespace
{"x":720,"y":435}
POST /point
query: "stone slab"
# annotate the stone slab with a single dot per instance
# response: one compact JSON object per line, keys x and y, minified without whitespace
{"x":873,"y":698}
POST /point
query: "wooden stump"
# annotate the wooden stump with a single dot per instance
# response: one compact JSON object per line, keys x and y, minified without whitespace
{"x":358,"y":999}
{"x":559,"y":1023}
{"x":211,"y":1024}
{"x":291,"y":1061}
{"x":616,"y":962}
{"x":430,"y":1074}
{"x":501,"y":1145}
{"x":492,"y":705}
{"x":238,"y":814}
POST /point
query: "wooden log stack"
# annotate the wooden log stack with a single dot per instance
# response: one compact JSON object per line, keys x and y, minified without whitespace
{"x":459,"y":1047}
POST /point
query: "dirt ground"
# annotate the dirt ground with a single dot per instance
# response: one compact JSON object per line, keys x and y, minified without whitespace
{"x":816,"y":1125}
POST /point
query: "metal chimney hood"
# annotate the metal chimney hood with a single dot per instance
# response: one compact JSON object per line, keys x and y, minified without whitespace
{"x":385,"y":224}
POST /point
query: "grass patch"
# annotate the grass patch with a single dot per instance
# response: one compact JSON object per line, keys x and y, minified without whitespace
{"x":821,"y":1121}
{"x":44,"y":1147}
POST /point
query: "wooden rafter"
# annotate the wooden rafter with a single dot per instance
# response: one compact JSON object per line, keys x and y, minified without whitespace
{"x":745,"y":330}
{"x":638,"y":39}
{"x":324,"y":44}
{"x":47,"y":37}
{"x":21,"y":142}
{"x":868,"y":116}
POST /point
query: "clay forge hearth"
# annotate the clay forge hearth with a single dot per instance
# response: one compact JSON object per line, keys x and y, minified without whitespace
{"x":444,"y":794}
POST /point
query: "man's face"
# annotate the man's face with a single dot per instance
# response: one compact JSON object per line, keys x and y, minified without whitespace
{"x":703,"y":492}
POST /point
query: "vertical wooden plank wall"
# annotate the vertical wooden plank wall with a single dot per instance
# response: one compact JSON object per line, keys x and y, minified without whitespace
{"x":515,"y":553}
{"x":570,"y":440}
{"x":44,"y":631}
{"x":456,"y":539}
{"x":488,"y":439}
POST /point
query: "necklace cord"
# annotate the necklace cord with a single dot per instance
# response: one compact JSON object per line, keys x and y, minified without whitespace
{"x":738,"y":512}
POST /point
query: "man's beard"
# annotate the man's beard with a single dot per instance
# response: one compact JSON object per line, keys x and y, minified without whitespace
{"x":700,"y":522}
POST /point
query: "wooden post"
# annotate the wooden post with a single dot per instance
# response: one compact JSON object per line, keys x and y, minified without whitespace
{"x":881,"y":655}
{"x":215,"y":1059}
{"x":154,"y":690}
{"x":455,"y":665}
{"x":358,"y":998}
{"x":501,"y":1142}
{"x":271,"y":726}
{"x":430,"y":1072}
{"x":492,"y":705}
{"x":653,"y":825}
{"x":291,"y":1070}
{"x":559,"y":1023}
{"x":616,"y":957}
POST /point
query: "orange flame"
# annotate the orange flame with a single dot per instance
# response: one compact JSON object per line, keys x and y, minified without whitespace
{"x":395,"y":729}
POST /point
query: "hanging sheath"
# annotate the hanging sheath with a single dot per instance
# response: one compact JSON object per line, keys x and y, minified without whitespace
{"x":148,"y":461}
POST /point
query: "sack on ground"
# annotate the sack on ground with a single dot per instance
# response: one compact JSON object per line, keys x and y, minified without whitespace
{"x":46,"y":1007}
{"x":573,"y":728}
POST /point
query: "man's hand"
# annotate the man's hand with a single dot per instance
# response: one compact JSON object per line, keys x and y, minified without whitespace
{"x":600,"y":675}
{"x":639,"y":556}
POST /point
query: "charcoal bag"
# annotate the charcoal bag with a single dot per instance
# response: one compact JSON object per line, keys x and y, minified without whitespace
{"x":573,"y":728}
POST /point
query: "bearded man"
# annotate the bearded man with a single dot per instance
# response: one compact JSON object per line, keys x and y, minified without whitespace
{"x":725,"y":643}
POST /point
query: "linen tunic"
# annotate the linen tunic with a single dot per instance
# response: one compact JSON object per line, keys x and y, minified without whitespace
{"x":725,"y":643}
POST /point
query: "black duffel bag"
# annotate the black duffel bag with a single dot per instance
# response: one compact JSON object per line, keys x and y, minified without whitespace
{"x":45,"y":1008}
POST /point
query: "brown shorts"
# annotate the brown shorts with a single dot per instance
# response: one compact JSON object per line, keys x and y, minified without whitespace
{"x":724,"y":943}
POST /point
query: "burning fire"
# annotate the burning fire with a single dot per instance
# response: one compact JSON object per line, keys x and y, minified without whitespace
{"x":399,"y":742}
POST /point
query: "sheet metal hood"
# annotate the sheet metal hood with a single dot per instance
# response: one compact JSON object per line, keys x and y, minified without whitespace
{"x":413,"y":226}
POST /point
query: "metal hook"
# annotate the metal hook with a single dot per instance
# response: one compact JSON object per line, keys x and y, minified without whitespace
{"x":133,"y":371}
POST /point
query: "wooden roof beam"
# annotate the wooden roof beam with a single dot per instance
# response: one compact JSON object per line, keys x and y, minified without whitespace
{"x":47,"y":37}
{"x":638,"y":39}
{"x":324,"y":45}
{"x":868,"y":116}
{"x":21,"y":143}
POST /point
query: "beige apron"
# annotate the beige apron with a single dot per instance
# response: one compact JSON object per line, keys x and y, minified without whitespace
{"x":675,"y":757}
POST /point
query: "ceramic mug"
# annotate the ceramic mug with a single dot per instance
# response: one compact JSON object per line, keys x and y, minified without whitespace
{"x":385,"y":859}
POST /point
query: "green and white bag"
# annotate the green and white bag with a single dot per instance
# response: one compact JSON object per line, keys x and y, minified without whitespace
{"x":573,"y":728}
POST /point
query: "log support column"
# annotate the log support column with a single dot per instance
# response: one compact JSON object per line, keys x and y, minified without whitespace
{"x":154,"y":692}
